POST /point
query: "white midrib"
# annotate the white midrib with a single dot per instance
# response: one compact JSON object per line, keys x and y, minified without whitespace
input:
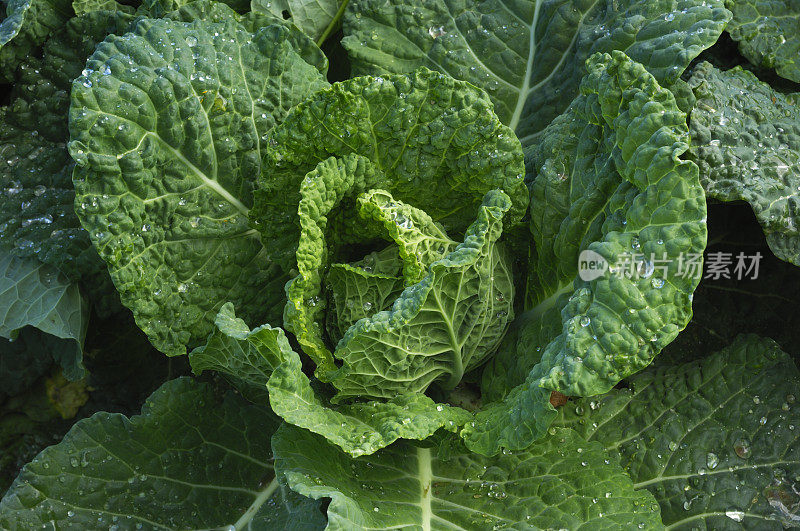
{"x":211,"y":183}
{"x":526,"y":82}
{"x":425,"y":482}
{"x":251,"y":511}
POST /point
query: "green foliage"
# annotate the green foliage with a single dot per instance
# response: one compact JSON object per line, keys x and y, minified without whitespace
{"x":529,"y":56}
{"x":768,"y":34}
{"x":714,"y":440}
{"x":214,"y":464}
{"x":34,"y":294}
{"x":563,"y":481}
{"x":746,"y":139}
{"x":610,"y":174}
{"x":165,"y":201}
{"x":442,"y":285}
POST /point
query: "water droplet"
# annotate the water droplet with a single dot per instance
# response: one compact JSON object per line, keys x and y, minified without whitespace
{"x":742,"y":448}
{"x":585,"y":321}
{"x":635,"y":245}
{"x":191,"y":40}
{"x":712,"y":460}
{"x":657,"y":283}
{"x":736,"y":516}
{"x":436,"y":31}
{"x":367,"y":306}
{"x":670,"y":17}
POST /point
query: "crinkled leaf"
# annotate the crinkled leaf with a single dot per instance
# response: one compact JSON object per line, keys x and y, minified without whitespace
{"x":316,"y":18}
{"x":528,"y":55}
{"x":168,"y":138}
{"x":420,"y":240}
{"x":607,"y":179}
{"x":768,"y":34}
{"x":436,"y":142}
{"x":560,"y":482}
{"x":263,"y":357}
{"x":81,"y":7}
{"x":439,"y":328}
{"x":714,"y":440}
{"x":163,"y":8}
{"x":37,"y":216}
{"x":192,"y":459}
{"x":25,"y":27}
{"x":330,"y":183}
{"x":360,"y":428}
{"x":746,"y":140}
{"x":35,"y":294}
{"x":361,"y":289}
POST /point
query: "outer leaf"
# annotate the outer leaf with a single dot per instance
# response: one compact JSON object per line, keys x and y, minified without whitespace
{"x":439,"y":328}
{"x":768,"y":34}
{"x":420,"y":240}
{"x":715,"y":440}
{"x":37,"y":213}
{"x":190,"y":460}
{"x":362,"y":289}
{"x":436,"y":141}
{"x":528,"y":55}
{"x":608,"y":178}
{"x":34,"y":294}
{"x":316,"y":18}
{"x":745,"y":138}
{"x":263,"y":357}
{"x":560,"y":482}
{"x":166,"y":200}
{"x":26,"y":25}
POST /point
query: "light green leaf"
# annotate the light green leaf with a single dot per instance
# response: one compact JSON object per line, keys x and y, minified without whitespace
{"x":82,"y":7}
{"x":745,"y":140}
{"x":263,"y":357}
{"x":528,"y":55}
{"x":191,"y":460}
{"x":608,"y":178}
{"x":420,"y":240}
{"x":714,"y":440}
{"x":361,"y":289}
{"x":25,"y":26}
{"x":561,"y":482}
{"x":768,"y":34}
{"x":322,"y":190}
{"x":436,"y":142}
{"x":440,"y":328}
{"x":35,"y":294}
{"x":166,"y":201}
{"x":234,"y":349}
{"x":316,"y":18}
{"x":360,"y":428}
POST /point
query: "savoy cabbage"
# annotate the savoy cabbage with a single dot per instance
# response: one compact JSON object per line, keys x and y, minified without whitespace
{"x":399,"y":264}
